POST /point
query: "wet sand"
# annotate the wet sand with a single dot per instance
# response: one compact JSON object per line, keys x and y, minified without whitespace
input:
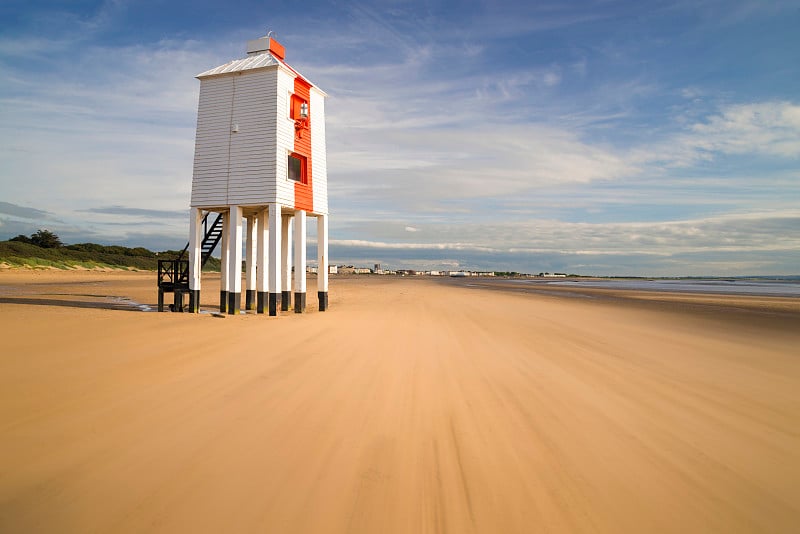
{"x":411,"y":406}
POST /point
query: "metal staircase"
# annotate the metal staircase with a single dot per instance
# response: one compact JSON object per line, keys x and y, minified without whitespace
{"x":173,"y":275}
{"x":211,"y":238}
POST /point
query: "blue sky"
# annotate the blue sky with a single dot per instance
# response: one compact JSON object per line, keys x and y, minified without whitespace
{"x":629,"y":138}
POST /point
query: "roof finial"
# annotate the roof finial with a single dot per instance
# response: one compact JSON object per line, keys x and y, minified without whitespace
{"x":270,"y":34}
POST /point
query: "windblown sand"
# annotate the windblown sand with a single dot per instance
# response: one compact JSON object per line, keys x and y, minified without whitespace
{"x":411,"y":406}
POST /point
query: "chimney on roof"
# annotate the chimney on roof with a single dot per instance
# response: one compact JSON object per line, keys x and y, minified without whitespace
{"x":265,"y":44}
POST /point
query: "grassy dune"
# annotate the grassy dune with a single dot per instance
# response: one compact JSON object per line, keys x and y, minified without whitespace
{"x":86,"y":256}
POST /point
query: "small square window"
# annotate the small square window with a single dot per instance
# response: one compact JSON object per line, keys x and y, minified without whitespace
{"x":297,"y":168}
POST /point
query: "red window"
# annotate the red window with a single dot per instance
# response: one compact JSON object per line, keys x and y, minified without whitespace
{"x":297,"y":168}
{"x":299,"y":108}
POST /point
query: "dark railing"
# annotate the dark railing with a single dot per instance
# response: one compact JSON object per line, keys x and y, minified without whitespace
{"x":173,"y":277}
{"x":211,"y":236}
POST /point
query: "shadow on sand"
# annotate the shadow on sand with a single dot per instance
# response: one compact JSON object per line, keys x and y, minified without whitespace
{"x":105,"y":303}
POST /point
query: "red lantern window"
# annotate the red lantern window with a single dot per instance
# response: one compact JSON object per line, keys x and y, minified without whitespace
{"x":299,"y":108}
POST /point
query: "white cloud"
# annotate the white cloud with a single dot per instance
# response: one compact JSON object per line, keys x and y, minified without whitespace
{"x":551,"y":78}
{"x":410,"y":246}
{"x":762,"y":232}
{"x":420,"y":167}
{"x":769,"y":129}
{"x":110,"y":126}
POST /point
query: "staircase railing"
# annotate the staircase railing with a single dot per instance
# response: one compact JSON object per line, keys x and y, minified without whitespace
{"x":211,"y":237}
{"x":173,"y":275}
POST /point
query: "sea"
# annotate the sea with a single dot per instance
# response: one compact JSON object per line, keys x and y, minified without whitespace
{"x":761,"y":286}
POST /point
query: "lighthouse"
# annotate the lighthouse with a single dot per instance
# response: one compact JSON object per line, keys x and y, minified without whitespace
{"x":259,"y":174}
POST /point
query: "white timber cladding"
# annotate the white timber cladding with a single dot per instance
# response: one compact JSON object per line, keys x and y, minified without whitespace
{"x":285,"y":138}
{"x":210,"y":181}
{"x":319,"y":167}
{"x":235,"y":148}
{"x":252,"y":154}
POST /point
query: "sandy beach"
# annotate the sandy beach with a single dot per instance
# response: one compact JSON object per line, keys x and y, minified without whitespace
{"x":411,"y":406}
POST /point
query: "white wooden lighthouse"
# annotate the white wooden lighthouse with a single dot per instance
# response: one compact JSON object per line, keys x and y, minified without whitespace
{"x":260,"y":163}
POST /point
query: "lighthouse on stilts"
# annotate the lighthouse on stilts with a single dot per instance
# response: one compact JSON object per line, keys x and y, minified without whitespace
{"x":259,"y":173}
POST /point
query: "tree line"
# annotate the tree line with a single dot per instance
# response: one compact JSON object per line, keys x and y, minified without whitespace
{"x":40,"y":238}
{"x":44,"y":247}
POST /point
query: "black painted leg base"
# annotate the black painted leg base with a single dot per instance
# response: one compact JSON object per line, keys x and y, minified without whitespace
{"x":223,"y":302}
{"x":286,"y":300}
{"x":323,"y":300}
{"x":273,"y":304}
{"x":261,"y":301}
{"x":234,"y":303}
{"x":299,"y":302}
{"x":250,"y":300}
{"x":177,"y":301}
{"x":194,"y":301}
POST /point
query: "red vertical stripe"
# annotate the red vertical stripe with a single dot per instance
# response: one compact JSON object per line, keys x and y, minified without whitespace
{"x":303,"y":193}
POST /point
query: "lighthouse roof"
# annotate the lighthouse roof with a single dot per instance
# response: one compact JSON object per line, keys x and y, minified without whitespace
{"x":258,"y":58}
{"x":258,"y":61}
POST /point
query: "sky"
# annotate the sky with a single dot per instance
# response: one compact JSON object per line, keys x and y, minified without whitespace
{"x":589,"y":137}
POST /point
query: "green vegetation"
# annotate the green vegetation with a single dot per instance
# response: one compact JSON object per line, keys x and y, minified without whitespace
{"x":40,"y":238}
{"x":44,"y":249}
